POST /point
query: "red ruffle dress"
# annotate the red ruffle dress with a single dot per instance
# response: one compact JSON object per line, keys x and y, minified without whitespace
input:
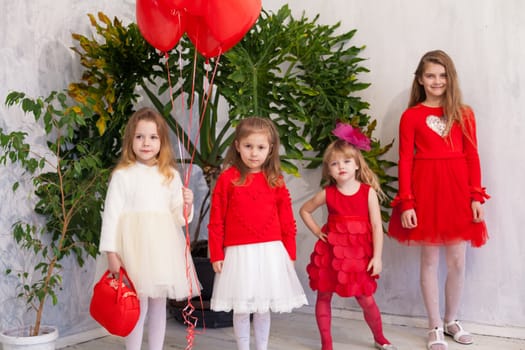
{"x":340,"y":265}
{"x":439,"y":177}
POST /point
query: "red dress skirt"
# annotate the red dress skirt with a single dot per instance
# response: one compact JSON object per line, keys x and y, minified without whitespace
{"x":442,"y":204}
{"x":340,"y":264}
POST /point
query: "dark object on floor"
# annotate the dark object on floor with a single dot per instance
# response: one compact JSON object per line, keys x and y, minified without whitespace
{"x":205,"y":317}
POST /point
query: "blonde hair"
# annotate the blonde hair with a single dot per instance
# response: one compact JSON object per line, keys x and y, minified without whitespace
{"x":272,"y":165}
{"x":363,"y":174}
{"x":165,"y":159}
{"x":453,"y":107}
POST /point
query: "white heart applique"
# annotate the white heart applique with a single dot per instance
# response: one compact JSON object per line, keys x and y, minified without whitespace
{"x":436,"y":124}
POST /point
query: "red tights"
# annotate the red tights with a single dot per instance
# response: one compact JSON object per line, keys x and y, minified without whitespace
{"x":323,"y":315}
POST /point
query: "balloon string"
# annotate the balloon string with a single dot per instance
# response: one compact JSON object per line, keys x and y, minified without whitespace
{"x":191,"y":276}
{"x":205,"y":103}
{"x":179,"y":136}
{"x":190,"y":125}
{"x":182,"y":107}
{"x":190,"y":320}
{"x":187,"y":313}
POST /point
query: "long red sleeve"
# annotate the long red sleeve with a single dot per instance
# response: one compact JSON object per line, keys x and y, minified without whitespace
{"x":470,"y":148}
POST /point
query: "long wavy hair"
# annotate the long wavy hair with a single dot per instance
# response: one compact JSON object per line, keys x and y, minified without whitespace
{"x":363,"y":174}
{"x":165,"y":159}
{"x":272,"y":165}
{"x":453,"y":107}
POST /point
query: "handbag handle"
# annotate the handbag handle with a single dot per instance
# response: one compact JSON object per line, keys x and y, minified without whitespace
{"x":118,"y":287}
{"x":123,"y":272}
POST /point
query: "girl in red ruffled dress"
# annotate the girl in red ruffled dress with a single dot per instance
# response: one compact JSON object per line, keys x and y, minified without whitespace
{"x":347,"y":257}
{"x":440,"y":193}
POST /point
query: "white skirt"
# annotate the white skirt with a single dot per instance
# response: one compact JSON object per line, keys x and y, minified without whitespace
{"x":154,"y":252}
{"x":257,"y":277}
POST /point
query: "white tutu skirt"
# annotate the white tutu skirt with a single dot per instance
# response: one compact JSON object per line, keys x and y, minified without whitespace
{"x":154,"y":252}
{"x":257,"y":277}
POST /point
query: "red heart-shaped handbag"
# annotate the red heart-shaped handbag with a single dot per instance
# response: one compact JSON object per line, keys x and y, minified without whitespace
{"x":115,"y":304}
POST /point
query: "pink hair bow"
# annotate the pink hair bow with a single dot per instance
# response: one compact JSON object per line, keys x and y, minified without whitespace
{"x":352,"y":135}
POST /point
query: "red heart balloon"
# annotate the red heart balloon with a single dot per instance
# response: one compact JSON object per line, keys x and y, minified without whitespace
{"x":202,"y":38}
{"x":160,"y":26}
{"x":194,"y":7}
{"x":168,"y":6}
{"x":231,"y":19}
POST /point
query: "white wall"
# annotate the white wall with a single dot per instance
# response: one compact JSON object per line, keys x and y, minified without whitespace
{"x":486,"y":39}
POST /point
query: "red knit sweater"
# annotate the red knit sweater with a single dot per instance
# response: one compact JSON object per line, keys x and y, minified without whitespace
{"x":250,"y":213}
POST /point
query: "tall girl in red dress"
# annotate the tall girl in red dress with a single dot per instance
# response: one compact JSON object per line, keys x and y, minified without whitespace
{"x":252,"y":234}
{"x":440,"y":193}
{"x":347,"y":257}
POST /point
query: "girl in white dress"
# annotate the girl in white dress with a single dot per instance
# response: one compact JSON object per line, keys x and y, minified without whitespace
{"x":145,"y":208}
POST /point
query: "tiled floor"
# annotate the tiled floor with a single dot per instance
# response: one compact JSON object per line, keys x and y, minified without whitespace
{"x":298,"y":331}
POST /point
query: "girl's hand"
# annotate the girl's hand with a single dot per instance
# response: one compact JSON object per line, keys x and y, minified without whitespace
{"x":187,"y":196}
{"x":114,"y":263}
{"x":409,"y":219}
{"x":217,"y":266}
{"x":187,"y":199}
{"x":322,"y":236}
{"x":477,"y":211}
{"x":375,"y":266}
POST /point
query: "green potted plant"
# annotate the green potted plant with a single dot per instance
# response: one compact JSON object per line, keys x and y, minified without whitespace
{"x":65,"y":181}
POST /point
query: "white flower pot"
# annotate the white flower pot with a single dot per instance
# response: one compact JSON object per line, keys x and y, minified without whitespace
{"x":18,"y":339}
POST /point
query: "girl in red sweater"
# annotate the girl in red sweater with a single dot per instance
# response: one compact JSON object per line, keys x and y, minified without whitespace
{"x":440,"y":193}
{"x":347,"y":257}
{"x":252,"y":234}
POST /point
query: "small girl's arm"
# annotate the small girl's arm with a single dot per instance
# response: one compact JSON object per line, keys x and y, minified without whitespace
{"x":181,"y":202}
{"x":287,"y":221}
{"x":216,"y":224}
{"x":306,"y":214}
{"x":375,"y":265}
{"x":217,"y":266}
{"x":113,"y":208}
{"x":114,"y":262}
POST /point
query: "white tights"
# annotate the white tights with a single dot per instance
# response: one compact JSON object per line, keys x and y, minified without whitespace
{"x":261,"y":330}
{"x":455,"y":258}
{"x":155,"y":310}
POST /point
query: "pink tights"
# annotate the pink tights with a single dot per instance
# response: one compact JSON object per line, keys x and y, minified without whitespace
{"x":323,"y":315}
